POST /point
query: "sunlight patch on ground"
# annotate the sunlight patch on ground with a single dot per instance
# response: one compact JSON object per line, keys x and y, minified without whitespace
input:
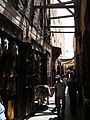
{"x":51,"y":106}
{"x":44,"y":117}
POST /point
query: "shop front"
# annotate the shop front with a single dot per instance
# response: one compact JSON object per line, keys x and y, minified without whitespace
{"x":35,"y":71}
{"x":10,"y":50}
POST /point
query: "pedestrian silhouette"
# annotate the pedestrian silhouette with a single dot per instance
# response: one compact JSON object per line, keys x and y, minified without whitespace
{"x":60,"y":94}
{"x":72,"y":87}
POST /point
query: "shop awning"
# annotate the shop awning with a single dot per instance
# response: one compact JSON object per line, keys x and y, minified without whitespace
{"x":69,"y":62}
{"x":56,"y":51}
{"x":66,"y":60}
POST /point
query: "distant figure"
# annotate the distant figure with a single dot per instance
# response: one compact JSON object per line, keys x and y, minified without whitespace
{"x":72,"y":87}
{"x":60,"y":94}
{"x":64,"y":79}
{"x":2,"y":110}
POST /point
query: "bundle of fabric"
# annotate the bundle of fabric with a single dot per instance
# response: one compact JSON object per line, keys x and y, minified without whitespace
{"x":2,"y":112}
{"x":42,"y":92}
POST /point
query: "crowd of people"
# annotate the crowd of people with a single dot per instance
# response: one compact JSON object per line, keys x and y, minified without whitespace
{"x":69,"y":80}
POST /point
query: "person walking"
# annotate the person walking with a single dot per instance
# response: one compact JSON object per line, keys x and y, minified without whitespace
{"x":72,"y":87}
{"x":60,"y":94}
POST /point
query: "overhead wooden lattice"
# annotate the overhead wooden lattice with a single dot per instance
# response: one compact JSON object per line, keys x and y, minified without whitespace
{"x":66,"y":5}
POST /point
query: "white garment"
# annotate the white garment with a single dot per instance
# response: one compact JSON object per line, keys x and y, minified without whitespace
{"x":2,"y":112}
{"x":60,"y":86}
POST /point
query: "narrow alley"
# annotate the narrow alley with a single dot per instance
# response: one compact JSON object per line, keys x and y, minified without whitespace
{"x":40,"y":39}
{"x":48,"y":112}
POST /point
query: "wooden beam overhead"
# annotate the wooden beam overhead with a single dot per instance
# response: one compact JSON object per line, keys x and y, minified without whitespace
{"x":67,"y":2}
{"x":60,"y":26}
{"x":66,"y":16}
{"x":62,"y":31}
{"x":66,"y":8}
{"x":53,"y":6}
